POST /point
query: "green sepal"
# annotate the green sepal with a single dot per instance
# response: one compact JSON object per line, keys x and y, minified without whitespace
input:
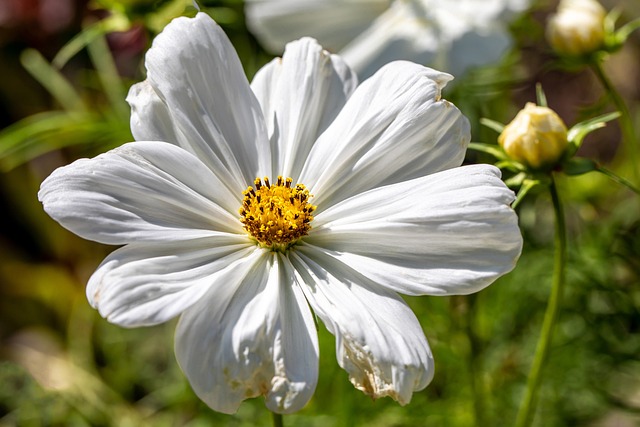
{"x":625,"y":31}
{"x":491,"y":149}
{"x":527,"y":185}
{"x":614,"y":40}
{"x":579,"y":166}
{"x":511,"y":165}
{"x":516,"y":180}
{"x":540,"y":96}
{"x":503,"y":160}
{"x":579,"y":131}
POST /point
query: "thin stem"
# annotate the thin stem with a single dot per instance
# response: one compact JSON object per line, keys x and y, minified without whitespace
{"x":475,"y":368}
{"x":527,"y":406}
{"x":620,"y":180}
{"x":626,"y":123}
{"x":277,"y":420}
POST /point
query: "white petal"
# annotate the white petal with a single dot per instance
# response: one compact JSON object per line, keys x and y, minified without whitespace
{"x":142,"y":191}
{"x":301,"y":94}
{"x":194,"y":71}
{"x":448,"y":233}
{"x":450,"y":36}
{"x":379,"y":341}
{"x":465,"y":16}
{"x":475,"y":49}
{"x":371,"y":33}
{"x":148,"y":283}
{"x":251,"y":336}
{"x":150,"y":117}
{"x":393,"y":128}
{"x":276,"y":22}
{"x":402,"y":32}
{"x":471,"y":33}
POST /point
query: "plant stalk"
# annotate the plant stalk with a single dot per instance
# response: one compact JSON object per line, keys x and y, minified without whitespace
{"x":528,"y":404}
{"x":475,"y":364}
{"x":277,"y":420}
{"x":626,"y":122}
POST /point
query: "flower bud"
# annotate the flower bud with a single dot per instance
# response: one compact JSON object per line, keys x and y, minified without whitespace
{"x":537,"y":137}
{"x":577,"y":28}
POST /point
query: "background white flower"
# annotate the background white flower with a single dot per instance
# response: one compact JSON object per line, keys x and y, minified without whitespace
{"x":448,"y":35}
{"x":394,"y":214}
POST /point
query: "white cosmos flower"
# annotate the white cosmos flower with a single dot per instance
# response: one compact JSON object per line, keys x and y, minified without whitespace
{"x":449,"y":35}
{"x":392,"y":212}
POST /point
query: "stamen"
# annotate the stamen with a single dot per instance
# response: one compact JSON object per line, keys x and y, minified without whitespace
{"x":277,"y":215}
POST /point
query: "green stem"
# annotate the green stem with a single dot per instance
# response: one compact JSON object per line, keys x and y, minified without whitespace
{"x":527,"y":407}
{"x":475,"y":368}
{"x":626,"y":123}
{"x":277,"y":420}
{"x":620,"y":180}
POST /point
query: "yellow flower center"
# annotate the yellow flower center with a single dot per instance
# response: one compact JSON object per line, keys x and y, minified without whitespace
{"x":276,"y":215}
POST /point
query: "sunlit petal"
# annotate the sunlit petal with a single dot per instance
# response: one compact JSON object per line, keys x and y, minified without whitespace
{"x":301,"y":94}
{"x":379,"y":341}
{"x":395,"y":127}
{"x":402,"y":32}
{"x":142,"y":191}
{"x":448,"y":233}
{"x":207,"y":97}
{"x":252,"y":335}
{"x":277,"y":22}
{"x":148,"y":283}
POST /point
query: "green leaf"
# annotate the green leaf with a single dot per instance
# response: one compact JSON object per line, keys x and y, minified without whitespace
{"x":108,"y":75}
{"x":492,"y":124}
{"x":89,"y":34}
{"x":52,"y":80}
{"x":13,"y":136}
{"x":45,"y":132}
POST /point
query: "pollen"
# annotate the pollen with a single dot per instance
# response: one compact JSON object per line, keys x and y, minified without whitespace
{"x":276,"y":214}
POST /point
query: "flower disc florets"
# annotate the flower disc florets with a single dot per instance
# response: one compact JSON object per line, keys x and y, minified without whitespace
{"x":276,"y":215}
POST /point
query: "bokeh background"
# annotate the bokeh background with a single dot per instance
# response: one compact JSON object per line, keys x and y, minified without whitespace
{"x":65,"y":68}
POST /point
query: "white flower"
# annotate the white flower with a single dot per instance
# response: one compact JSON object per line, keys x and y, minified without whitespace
{"x":391,"y":213}
{"x":449,"y":35}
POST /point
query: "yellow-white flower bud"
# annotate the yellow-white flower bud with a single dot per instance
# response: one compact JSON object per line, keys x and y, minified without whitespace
{"x":577,"y":28}
{"x":537,"y":137}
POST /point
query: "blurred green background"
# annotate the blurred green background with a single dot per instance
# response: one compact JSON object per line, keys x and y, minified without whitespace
{"x":65,"y":68}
